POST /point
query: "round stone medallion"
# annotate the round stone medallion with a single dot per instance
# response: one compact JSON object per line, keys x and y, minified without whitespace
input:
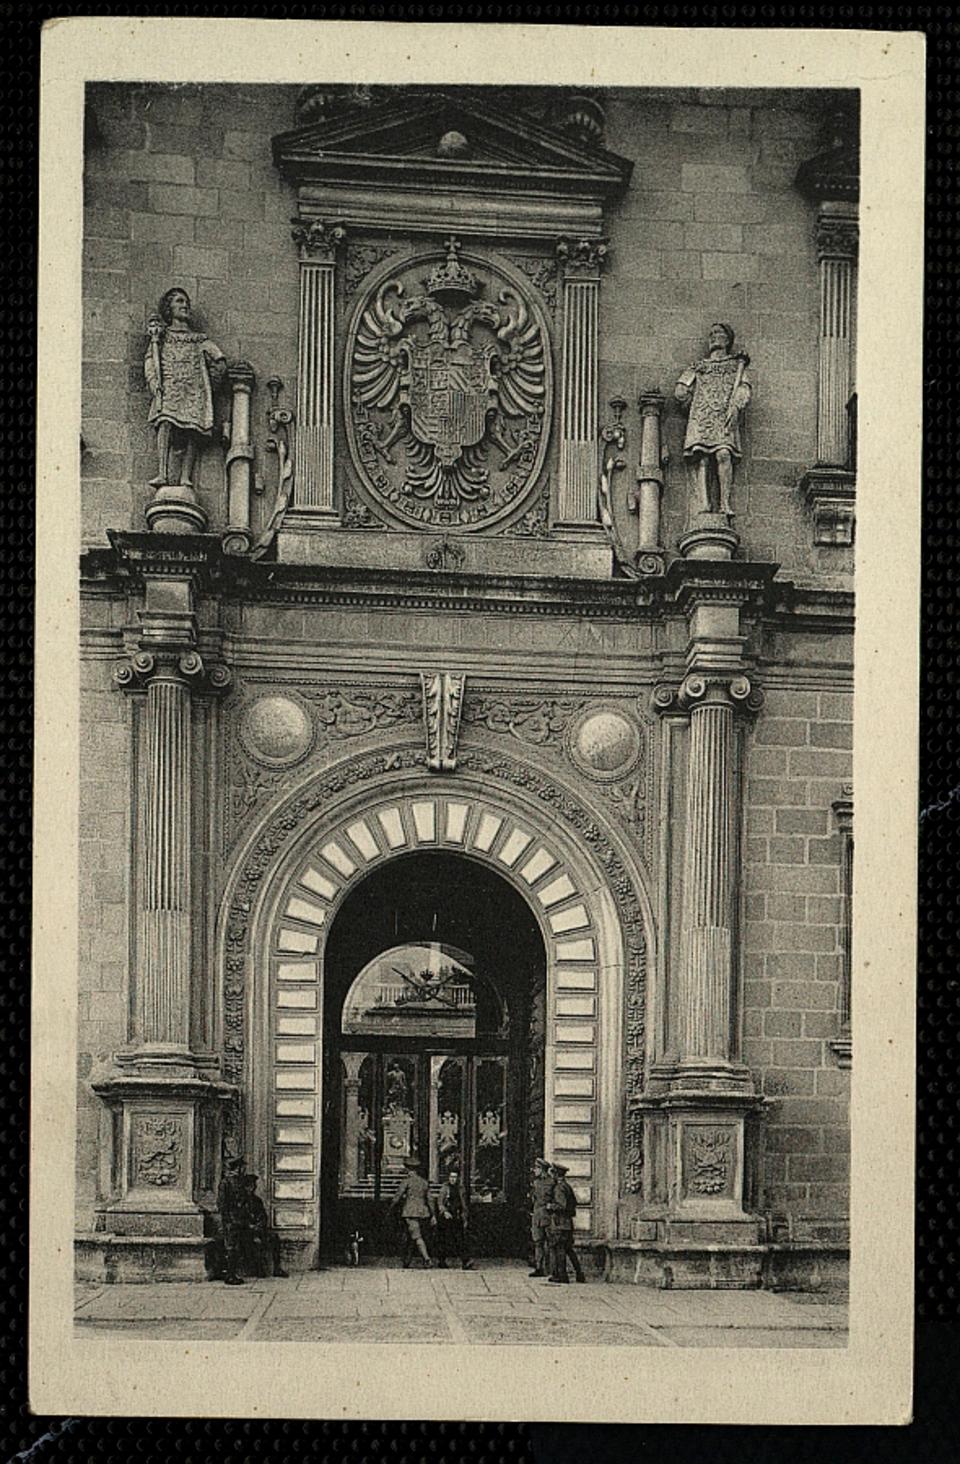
{"x":604,"y":742}
{"x":276,"y":729}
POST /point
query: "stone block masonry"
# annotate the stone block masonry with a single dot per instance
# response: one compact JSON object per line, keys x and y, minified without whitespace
{"x":174,"y":178}
{"x":791,"y":941}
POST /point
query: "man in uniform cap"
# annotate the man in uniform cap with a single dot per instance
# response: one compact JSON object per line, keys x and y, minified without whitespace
{"x":231,"y":1197}
{"x":562,"y":1207}
{"x":541,"y":1193}
{"x":413,"y":1205}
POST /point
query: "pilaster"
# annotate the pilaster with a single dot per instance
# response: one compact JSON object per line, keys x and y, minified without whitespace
{"x":313,"y":495}
{"x":581,"y":261}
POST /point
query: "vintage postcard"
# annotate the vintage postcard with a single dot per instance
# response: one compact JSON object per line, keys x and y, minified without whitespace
{"x":476,"y":755}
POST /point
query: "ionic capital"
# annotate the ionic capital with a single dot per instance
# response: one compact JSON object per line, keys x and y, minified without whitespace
{"x":317,"y":240}
{"x":205,"y":678}
{"x":701,"y":689}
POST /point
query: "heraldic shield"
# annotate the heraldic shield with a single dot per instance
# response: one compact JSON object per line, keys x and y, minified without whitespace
{"x":451,"y":390}
{"x":448,"y":394}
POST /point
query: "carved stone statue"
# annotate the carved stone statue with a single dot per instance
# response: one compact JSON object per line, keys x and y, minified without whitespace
{"x":182,"y":368}
{"x":717,"y":392}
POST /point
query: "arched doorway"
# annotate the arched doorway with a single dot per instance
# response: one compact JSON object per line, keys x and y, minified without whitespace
{"x":433,"y":1033}
{"x":300,"y":868}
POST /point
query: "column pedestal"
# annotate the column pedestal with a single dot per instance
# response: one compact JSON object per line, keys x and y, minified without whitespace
{"x":163,"y":1104}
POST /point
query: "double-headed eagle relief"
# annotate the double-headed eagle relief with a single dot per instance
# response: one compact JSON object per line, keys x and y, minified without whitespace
{"x":449,"y":393}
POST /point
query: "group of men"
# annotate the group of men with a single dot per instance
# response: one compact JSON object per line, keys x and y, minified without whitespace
{"x":247,"y":1241}
{"x":553,"y":1206}
{"x":444,"y":1218}
{"x":249,"y":1244}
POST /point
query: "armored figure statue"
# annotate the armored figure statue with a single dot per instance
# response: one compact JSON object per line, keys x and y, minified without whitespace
{"x":717,"y":392}
{"x":182,"y":368}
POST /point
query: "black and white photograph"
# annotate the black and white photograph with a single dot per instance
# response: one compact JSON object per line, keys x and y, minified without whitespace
{"x":467,"y":586}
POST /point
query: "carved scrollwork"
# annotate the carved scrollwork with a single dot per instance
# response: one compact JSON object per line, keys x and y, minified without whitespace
{"x":206,"y":678}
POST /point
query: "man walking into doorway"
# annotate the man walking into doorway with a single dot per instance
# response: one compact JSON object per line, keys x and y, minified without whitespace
{"x":562,"y":1207}
{"x":541,"y":1193}
{"x":414,"y":1206}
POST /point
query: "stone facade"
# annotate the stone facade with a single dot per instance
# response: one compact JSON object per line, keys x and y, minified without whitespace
{"x":655,"y":704}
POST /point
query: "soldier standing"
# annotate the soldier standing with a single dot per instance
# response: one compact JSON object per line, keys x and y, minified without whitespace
{"x":413,"y":1204}
{"x":562,"y":1207}
{"x":231,"y":1198}
{"x":541,"y":1193}
{"x":452,"y":1222}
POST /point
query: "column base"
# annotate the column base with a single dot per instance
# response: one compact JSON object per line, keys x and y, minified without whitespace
{"x":709,"y":537}
{"x":109,"y":1258}
{"x":680,"y":1267}
{"x":175,"y":509}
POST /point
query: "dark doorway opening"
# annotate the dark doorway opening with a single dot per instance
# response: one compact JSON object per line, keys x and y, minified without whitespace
{"x":434,"y":1002}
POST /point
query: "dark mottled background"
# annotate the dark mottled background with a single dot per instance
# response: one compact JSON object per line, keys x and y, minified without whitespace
{"x":934,"y":1434}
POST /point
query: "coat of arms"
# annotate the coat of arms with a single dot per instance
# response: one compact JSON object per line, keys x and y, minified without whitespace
{"x":448,"y":394}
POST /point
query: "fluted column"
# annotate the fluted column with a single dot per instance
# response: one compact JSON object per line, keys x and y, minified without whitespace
{"x":162,"y":1013}
{"x":581,"y":262}
{"x":703,"y":1029}
{"x":161,"y":974}
{"x":837,"y":236}
{"x":704,"y":1006}
{"x":313,"y":486}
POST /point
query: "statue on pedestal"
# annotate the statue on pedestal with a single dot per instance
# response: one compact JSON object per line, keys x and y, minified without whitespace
{"x":717,"y":392}
{"x":182,"y":367}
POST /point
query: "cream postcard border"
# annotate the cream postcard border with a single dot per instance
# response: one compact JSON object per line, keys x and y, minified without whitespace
{"x":870,"y":1381}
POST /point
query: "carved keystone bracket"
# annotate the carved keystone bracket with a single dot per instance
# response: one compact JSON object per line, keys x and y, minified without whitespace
{"x":204,"y":678}
{"x":442,"y":705}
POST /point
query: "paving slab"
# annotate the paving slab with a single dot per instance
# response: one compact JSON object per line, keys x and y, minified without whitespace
{"x":363,"y":1329}
{"x":492,"y":1305}
{"x":755,"y":1337}
{"x":174,"y":1330}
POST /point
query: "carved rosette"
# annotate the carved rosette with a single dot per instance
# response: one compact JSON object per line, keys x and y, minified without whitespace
{"x":448,"y":392}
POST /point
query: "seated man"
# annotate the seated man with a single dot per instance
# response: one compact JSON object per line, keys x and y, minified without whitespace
{"x":261,"y":1239}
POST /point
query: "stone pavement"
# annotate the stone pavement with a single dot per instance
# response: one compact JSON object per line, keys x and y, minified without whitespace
{"x":496,"y":1303}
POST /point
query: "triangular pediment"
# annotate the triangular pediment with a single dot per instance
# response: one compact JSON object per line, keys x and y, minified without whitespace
{"x":404,"y":138}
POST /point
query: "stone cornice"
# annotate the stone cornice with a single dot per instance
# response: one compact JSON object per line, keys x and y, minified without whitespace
{"x":135,"y":558}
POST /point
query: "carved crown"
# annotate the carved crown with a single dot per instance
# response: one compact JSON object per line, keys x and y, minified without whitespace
{"x":451,"y":278}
